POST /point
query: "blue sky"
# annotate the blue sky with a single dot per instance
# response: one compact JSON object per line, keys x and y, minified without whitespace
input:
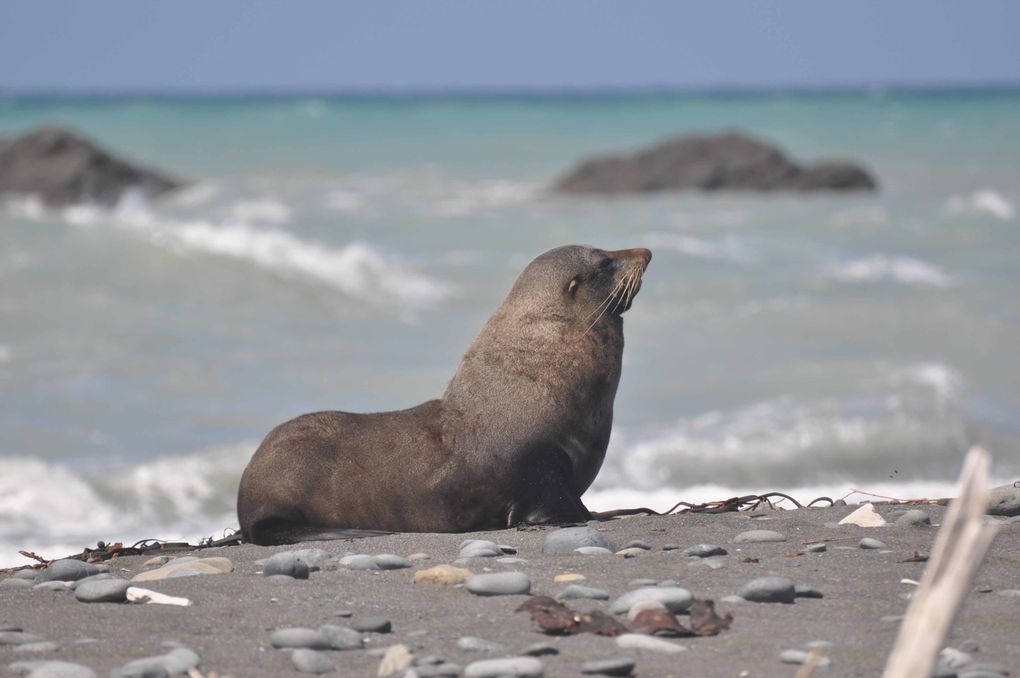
{"x":250,"y":45}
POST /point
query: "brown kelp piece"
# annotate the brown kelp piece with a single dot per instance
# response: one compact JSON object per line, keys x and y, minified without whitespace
{"x":659,"y":623}
{"x":704,"y":620}
{"x":599,"y":623}
{"x":552,"y":616}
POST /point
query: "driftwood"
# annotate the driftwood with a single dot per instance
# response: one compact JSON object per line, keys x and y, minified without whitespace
{"x":960,"y":547}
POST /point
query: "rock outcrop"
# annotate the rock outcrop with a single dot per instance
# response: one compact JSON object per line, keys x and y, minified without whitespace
{"x":730,"y":161}
{"x":61,"y":168}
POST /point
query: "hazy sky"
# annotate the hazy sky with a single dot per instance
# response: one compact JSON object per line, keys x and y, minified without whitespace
{"x":439,"y":44}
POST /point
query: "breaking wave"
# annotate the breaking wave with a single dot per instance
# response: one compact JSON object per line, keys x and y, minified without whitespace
{"x":982,"y":202}
{"x":729,"y":248}
{"x":899,"y":269}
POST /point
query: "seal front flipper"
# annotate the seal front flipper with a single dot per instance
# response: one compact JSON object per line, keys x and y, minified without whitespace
{"x":545,"y":495}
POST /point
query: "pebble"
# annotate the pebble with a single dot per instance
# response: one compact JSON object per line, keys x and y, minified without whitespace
{"x":670,"y":547}
{"x":567,"y":539}
{"x":637,"y":544}
{"x":443,"y":575}
{"x":359,"y":561}
{"x":499,"y":584}
{"x":641,"y":583}
{"x":540,"y":650}
{"x":632,"y":552}
{"x":616,"y":666}
{"x":282,"y":577}
{"x":175,"y":661}
{"x":914,"y":517}
{"x":343,"y":613}
{"x":444,"y":670}
{"x":297,"y":636}
{"x":5,"y":627}
{"x":286,"y":564}
{"x":593,"y":551}
{"x":95,"y":577}
{"x":371,"y":624}
{"x":388,"y":561}
{"x":68,"y":569}
{"x":770,"y":589}
{"x":871,"y":544}
{"x":396,"y":659}
{"x":103,"y":591}
{"x":865,"y":516}
{"x":26,"y":574}
{"x":198,"y":565}
{"x":522,"y":667}
{"x":416,"y":557}
{"x":706,"y":550}
{"x":54,"y":585}
{"x":479,"y":548}
{"x":668,"y":583}
{"x":568,"y":577}
{"x":19,"y":638}
{"x":819,"y":547}
{"x":15,"y":583}
{"x":341,"y":637}
{"x":758,"y":536}
{"x":636,"y":641}
{"x":983,"y":588}
{"x":801,"y":657}
{"x":804,"y":591}
{"x":311,"y":661}
{"x":512,"y":560}
{"x":576,"y":591}
{"x":731,"y":600}
{"x":52,"y":669}
{"x":675,"y":599}
{"x":476,"y":644}
{"x":44,"y":646}
{"x":642,"y":605}
{"x":1004,"y":500}
{"x":187,"y":572}
{"x":507,"y":549}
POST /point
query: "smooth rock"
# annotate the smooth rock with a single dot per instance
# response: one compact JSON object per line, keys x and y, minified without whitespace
{"x":359,"y":561}
{"x":871,"y":544}
{"x":26,"y":574}
{"x":757,"y":537}
{"x":576,"y":591}
{"x":637,"y":544}
{"x":804,"y":591}
{"x":801,"y":657}
{"x":567,"y":539}
{"x":540,"y":650}
{"x":675,"y":599}
{"x":499,"y":584}
{"x":769,"y":589}
{"x":522,"y":667}
{"x":15,"y":583}
{"x":568,"y":577}
{"x":103,"y":591}
{"x":341,"y":637}
{"x":5,"y":627}
{"x":512,"y":560}
{"x":443,"y":670}
{"x":479,"y":548}
{"x":442,"y":575}
{"x":199,"y":566}
{"x":593,"y":551}
{"x":311,"y":661}
{"x":56,"y":585}
{"x":286,"y":564}
{"x":1004,"y":500}
{"x":417,"y":557}
{"x":476,"y":644}
{"x":297,"y":636}
{"x":371,"y":624}
{"x":641,"y":583}
{"x":616,"y":666}
{"x":156,"y":561}
{"x":670,"y":547}
{"x":67,"y":570}
{"x":19,"y":638}
{"x":819,"y":547}
{"x":96,"y":577}
{"x":705,"y":550}
{"x":865,"y":516}
{"x":396,"y":659}
{"x":44,"y":646}
{"x":632,"y":552}
{"x":637,"y":641}
{"x":175,"y":661}
{"x":389,"y":561}
{"x":913,"y":517}
{"x":52,"y":669}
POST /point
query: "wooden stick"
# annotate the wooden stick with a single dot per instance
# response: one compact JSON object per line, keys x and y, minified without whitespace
{"x":959,"y":549}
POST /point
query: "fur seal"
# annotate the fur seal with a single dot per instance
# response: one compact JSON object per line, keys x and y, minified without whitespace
{"x":518,"y":436}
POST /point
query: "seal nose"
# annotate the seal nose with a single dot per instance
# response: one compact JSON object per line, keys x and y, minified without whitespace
{"x":638,"y":253}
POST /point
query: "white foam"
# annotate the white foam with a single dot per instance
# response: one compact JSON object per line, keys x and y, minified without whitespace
{"x":196,"y":195}
{"x":728,"y":248}
{"x":459,"y":201}
{"x":884,"y":267}
{"x":985,"y":201}
{"x":28,"y":207}
{"x":265,"y":210}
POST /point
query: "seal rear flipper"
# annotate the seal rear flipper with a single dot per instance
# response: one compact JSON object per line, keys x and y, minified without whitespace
{"x":279,"y":531}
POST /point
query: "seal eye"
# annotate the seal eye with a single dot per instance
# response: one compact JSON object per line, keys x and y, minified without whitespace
{"x":573,"y":285}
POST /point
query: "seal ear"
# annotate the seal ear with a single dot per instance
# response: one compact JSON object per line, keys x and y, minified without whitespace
{"x":572,"y":286}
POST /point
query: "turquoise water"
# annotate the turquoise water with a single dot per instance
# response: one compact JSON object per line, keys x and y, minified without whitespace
{"x":338,"y":252}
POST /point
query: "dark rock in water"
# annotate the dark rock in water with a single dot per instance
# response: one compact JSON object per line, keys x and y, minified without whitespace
{"x":711,"y":162}
{"x":62,"y":167}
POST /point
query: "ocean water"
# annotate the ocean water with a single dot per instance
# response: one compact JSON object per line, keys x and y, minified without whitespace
{"x":342,"y":252}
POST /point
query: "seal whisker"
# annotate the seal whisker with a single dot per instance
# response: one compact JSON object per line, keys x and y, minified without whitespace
{"x":632,"y":279}
{"x":608,"y":299}
{"x":611,"y":295}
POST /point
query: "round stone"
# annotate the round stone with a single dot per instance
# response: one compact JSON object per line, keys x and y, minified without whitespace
{"x":576,"y":592}
{"x":676,"y":599}
{"x":706,"y":550}
{"x":297,"y":636}
{"x":758,"y":536}
{"x":102,"y":591}
{"x":371,"y":624}
{"x":55,"y":585}
{"x":522,"y":667}
{"x":914,"y":517}
{"x":801,"y":657}
{"x":499,"y":584}
{"x":287,"y":564}
{"x":819,"y":547}
{"x":568,"y":539}
{"x":593,"y":551}
{"x":540,"y":650}
{"x":359,"y":561}
{"x":443,"y":670}
{"x":476,"y":644}
{"x":1004,"y":500}
{"x":871,"y":544}
{"x":670,"y":547}
{"x":311,"y":661}
{"x":52,"y":669}
{"x":637,"y":544}
{"x":479,"y":548}
{"x":389,"y":561}
{"x":68,"y":570}
{"x":616,"y":666}
{"x":15,"y":583}
{"x":341,"y":637}
{"x":770,"y":589}
{"x":18,"y":638}
{"x":44,"y":646}
{"x":636,"y":641}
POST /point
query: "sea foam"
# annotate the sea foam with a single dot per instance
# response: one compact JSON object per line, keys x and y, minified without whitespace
{"x":884,"y":267}
{"x":982,"y":202}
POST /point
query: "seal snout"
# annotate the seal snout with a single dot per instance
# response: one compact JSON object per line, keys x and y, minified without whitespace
{"x":637,"y":254}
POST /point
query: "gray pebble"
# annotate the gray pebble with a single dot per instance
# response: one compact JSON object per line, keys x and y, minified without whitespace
{"x":297,"y":636}
{"x":371,"y":624}
{"x":103,"y":591}
{"x":705,"y":550}
{"x":637,"y":544}
{"x":507,"y":549}
{"x":44,"y":646}
{"x":18,"y":638}
{"x":818,"y":547}
{"x":5,"y":627}
{"x":14,"y":583}
{"x":567,"y":539}
{"x":359,"y":561}
{"x":770,"y":589}
{"x":757,"y":537}
{"x":184,"y":572}
{"x":53,"y":586}
{"x":26,"y":574}
{"x":804,"y":591}
{"x":476,"y":644}
{"x":636,"y":641}
{"x":388,"y":561}
{"x":983,"y":670}
{"x":540,"y":650}
{"x":983,"y":588}
{"x":428,"y":660}
{"x":641,"y":583}
{"x":281,"y":577}
{"x":675,"y":599}
{"x":616,"y":666}
{"x":577,"y":591}
{"x":343,"y":613}
{"x":1004,"y":500}
{"x":522,"y":667}
{"x":311,"y":661}
{"x":173,"y":662}
{"x":52,"y":669}
{"x":341,"y":637}
{"x":444,"y":670}
{"x":871,"y":544}
{"x":913,"y":517}
{"x":801,"y":657}
{"x":287,"y":564}
{"x":68,"y":570}
{"x":593,"y":551}
{"x":499,"y":584}
{"x":96,"y":577}
{"x":670,"y":547}
{"x":479,"y":548}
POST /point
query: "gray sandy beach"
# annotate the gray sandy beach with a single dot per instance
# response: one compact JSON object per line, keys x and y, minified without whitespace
{"x":232,"y":615}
